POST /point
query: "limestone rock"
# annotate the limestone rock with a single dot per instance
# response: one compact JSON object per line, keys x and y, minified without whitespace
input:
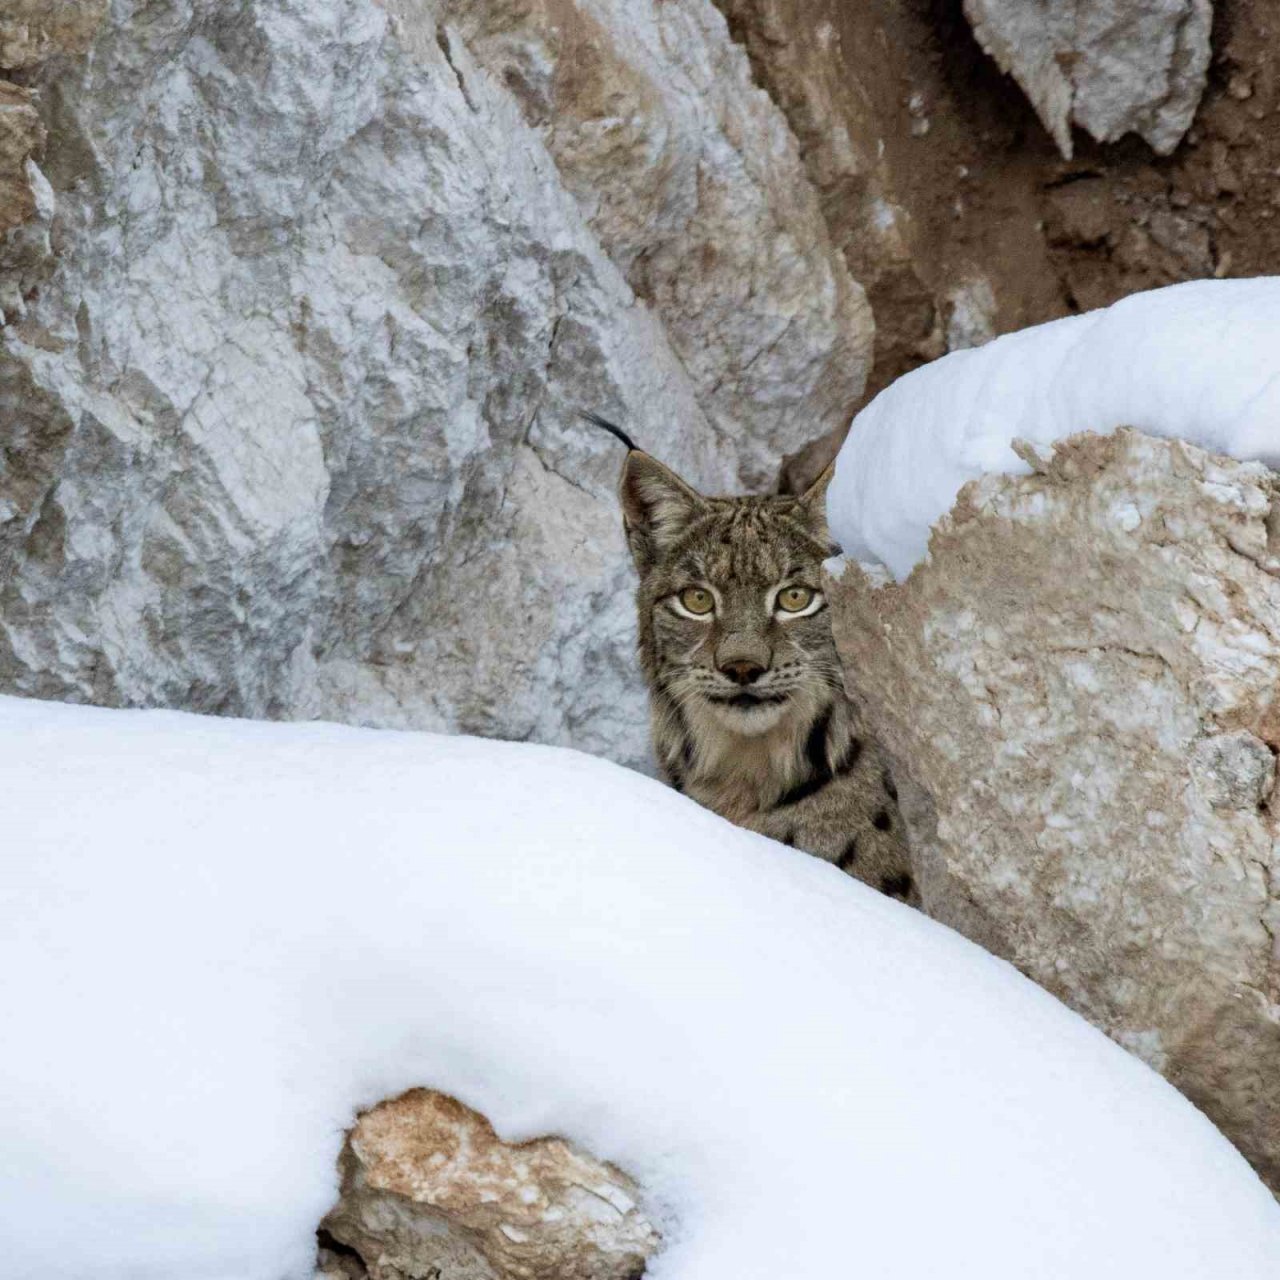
{"x":1110,"y":66}
{"x":290,"y":421}
{"x":1082,"y":685}
{"x":429,"y":1190}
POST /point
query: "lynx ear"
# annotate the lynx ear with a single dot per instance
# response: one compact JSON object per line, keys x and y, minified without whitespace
{"x":657,"y":506}
{"x":813,"y":504}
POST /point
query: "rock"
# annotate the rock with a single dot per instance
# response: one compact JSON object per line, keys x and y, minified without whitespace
{"x":691,"y":180}
{"x":1079,"y":213}
{"x":971,"y":314}
{"x":1109,"y":66}
{"x":291,"y":415}
{"x":31,"y":31}
{"x":1080,"y":690}
{"x":21,"y":136}
{"x":1234,"y":770}
{"x":820,"y":61}
{"x":429,"y":1190}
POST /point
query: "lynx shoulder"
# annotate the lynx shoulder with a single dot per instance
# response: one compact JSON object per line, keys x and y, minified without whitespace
{"x":749,"y":712}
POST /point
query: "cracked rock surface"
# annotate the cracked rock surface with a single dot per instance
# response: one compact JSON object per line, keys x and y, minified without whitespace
{"x":310,"y":295}
{"x":429,"y":1192}
{"x":1082,"y":686}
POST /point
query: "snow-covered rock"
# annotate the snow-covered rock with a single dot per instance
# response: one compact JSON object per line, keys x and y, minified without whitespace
{"x":222,"y":939}
{"x":1081,"y":684}
{"x":428,"y":1186}
{"x":1197,"y":361}
{"x":1109,"y":66}
{"x":290,"y":416}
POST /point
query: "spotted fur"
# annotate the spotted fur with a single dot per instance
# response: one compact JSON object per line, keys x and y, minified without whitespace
{"x":749,"y":712}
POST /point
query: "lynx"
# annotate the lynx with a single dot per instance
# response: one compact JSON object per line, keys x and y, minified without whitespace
{"x":748,"y":707}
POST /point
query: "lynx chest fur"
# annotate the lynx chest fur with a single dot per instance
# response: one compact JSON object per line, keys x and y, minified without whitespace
{"x":749,"y":712}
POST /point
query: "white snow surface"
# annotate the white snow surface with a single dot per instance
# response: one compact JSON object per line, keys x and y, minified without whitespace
{"x":1197,"y":361}
{"x":219,"y":939}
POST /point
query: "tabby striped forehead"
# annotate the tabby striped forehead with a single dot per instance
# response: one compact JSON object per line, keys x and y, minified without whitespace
{"x":748,"y":540}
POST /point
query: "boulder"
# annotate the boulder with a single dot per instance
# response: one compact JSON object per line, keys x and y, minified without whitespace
{"x":290,"y":415}
{"x":1079,"y":687}
{"x":1110,"y":67}
{"x":430,"y":1192}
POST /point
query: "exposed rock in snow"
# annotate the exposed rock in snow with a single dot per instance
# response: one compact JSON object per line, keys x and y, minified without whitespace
{"x":1082,"y":684}
{"x":426,"y":1183}
{"x":1110,"y":66}
{"x":290,"y":419}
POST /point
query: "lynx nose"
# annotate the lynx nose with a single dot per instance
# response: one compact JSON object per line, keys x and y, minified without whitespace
{"x":742,"y":671}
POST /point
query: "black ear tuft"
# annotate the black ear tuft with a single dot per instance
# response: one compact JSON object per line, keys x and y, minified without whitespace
{"x":605,"y":425}
{"x":657,"y":506}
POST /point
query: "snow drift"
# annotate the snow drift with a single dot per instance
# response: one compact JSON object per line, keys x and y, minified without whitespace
{"x":1197,"y":361}
{"x":221,"y":938}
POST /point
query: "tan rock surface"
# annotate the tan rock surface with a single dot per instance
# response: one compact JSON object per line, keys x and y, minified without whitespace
{"x":32,"y":31}
{"x":1081,"y":686}
{"x":429,"y":1190}
{"x":21,"y":136}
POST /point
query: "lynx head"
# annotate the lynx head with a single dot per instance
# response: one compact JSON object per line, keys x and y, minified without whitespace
{"x":733,"y":624}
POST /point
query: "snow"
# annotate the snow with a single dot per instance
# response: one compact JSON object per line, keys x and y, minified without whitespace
{"x":1197,"y":361}
{"x":221,"y":938}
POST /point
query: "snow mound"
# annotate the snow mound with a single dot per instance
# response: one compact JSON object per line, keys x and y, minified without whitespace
{"x":220,"y":938}
{"x":1197,"y":361}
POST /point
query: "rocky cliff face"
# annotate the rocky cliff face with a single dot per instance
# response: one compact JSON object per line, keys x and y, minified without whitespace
{"x":306,"y":300}
{"x":1080,"y":689}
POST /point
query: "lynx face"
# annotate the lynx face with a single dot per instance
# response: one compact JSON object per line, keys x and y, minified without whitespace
{"x":737,"y":618}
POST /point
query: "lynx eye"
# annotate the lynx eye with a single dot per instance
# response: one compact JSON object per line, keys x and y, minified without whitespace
{"x":795,"y":599}
{"x":697,"y":600}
